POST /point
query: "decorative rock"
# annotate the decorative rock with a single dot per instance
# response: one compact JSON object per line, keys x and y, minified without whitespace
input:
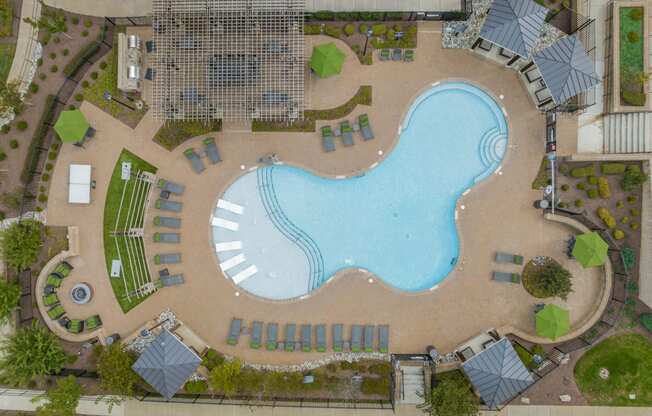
{"x":565,"y":398}
{"x":604,"y":373}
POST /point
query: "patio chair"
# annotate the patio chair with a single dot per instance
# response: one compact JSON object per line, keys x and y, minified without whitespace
{"x":234,"y":331}
{"x":167,"y":238}
{"x":290,"y":332}
{"x":327,"y":137}
{"x":347,"y":133}
{"x":92,"y":323}
{"x":168,"y":258}
{"x":507,"y":277}
{"x":172,"y":187}
{"x":397,"y":54}
{"x":256,"y":335}
{"x":64,"y":321}
{"x":48,"y":289}
{"x":272,"y":337}
{"x":532,"y":75}
{"x":356,"y":338}
{"x":75,"y":326}
{"x":171,"y":280}
{"x":485,"y":45}
{"x":338,"y":342}
{"x":509,"y":258}
{"x":51,"y":299}
{"x":383,"y":338}
{"x":168,"y":222}
{"x":408,"y":56}
{"x":306,"y":337}
{"x":63,"y":269}
{"x":384,"y":55}
{"x":195,"y":161}
{"x":320,"y":335}
{"x":505,"y":53}
{"x":171,"y":206}
{"x":369,"y":338}
{"x":365,"y":127}
{"x":54,"y":280}
{"x":211,"y":150}
{"x":56,"y":312}
{"x":542,"y":95}
{"x":150,"y":46}
{"x":150,"y":74}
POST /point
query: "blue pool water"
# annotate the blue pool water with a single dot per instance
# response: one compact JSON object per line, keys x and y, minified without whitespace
{"x":397,"y":220}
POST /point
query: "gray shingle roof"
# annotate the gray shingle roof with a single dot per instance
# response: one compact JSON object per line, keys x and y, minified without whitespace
{"x":166,"y":364}
{"x":514,"y":25}
{"x":497,"y":373}
{"x":566,"y":68}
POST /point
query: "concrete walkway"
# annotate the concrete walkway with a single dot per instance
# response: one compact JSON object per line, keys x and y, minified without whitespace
{"x":102,"y":8}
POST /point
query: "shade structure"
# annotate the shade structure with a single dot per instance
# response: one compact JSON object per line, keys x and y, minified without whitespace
{"x":552,"y":322}
{"x":497,"y":373}
{"x":327,"y":60}
{"x":166,"y":364}
{"x":590,"y":250}
{"x":71,"y":126}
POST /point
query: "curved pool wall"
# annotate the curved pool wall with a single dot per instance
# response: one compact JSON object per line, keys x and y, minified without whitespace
{"x":397,"y":220}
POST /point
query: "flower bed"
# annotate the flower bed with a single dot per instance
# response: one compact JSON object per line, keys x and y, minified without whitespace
{"x":631,"y":44}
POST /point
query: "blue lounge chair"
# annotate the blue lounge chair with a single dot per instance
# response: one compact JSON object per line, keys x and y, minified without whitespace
{"x":356,"y":338}
{"x":171,"y":280}
{"x":211,"y":150}
{"x":150,"y":46}
{"x":507,"y":277}
{"x":171,"y":187}
{"x":165,"y":205}
{"x":272,"y":337}
{"x":290,"y":332}
{"x":384,"y":55}
{"x":168,"y":222}
{"x":234,"y":331}
{"x":365,"y":127}
{"x":256,"y":335}
{"x":397,"y":54}
{"x":338,"y":342}
{"x":369,"y":338}
{"x":169,"y":258}
{"x":383,"y":338}
{"x":195,"y":161}
{"x":167,"y":238}
{"x":347,"y":133}
{"x":320,"y":334}
{"x":306,"y":338}
{"x":509,"y":258}
{"x":327,"y":139}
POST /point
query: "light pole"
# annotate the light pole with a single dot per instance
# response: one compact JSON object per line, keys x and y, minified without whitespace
{"x":368,"y":35}
{"x":108,"y":97}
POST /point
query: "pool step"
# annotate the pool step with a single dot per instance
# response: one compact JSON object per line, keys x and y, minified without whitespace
{"x":492,"y":147}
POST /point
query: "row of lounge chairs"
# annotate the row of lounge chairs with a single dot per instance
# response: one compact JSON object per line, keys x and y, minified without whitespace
{"x":363,"y":338}
{"x":396,"y":54}
{"x":345,"y":131}
{"x":507,"y":258}
{"x":165,"y":278}
{"x":210,"y":150}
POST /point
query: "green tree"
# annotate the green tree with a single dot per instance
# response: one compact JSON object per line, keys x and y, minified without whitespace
{"x":52,"y":21}
{"x":61,"y":400}
{"x":11,"y":98}
{"x":452,"y":397}
{"x":30,"y":353}
{"x":116,"y":375}
{"x":632,"y":178}
{"x":553,"y":280}
{"x":225,"y":377}
{"x":9,"y":297}
{"x":21,"y":243}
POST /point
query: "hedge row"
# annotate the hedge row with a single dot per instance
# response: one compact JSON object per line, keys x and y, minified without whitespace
{"x":31,"y":160}
{"x":612,"y":168}
{"x":84,"y":55}
{"x":326,"y":15}
{"x":582,"y":172}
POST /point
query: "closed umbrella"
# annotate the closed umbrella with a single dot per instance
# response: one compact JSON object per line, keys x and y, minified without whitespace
{"x":71,"y":126}
{"x":552,"y":322}
{"x":590,"y":250}
{"x":327,"y":60}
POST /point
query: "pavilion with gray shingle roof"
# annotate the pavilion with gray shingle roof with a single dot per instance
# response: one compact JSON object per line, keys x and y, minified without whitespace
{"x":166,"y":364}
{"x":514,"y":25}
{"x":566,"y":69}
{"x":497,"y":373}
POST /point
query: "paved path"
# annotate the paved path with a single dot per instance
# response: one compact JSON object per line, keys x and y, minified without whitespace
{"x":102,"y":8}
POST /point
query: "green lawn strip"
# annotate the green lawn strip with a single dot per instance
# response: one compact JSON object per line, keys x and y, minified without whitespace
{"x":629,"y":361}
{"x":111,"y":207}
{"x":631,"y":54}
{"x":6,"y":18}
{"x":362,"y":97}
{"x":173,"y":133}
{"x":6,"y":58}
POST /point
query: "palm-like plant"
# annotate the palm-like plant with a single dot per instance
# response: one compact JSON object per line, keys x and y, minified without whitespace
{"x":9,"y":297}
{"x":52,"y":20}
{"x":21,"y":243}
{"x":61,"y":400}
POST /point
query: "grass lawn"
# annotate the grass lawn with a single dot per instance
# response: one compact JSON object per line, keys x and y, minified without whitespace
{"x":629,"y":361}
{"x":6,"y":58}
{"x":111,"y":211}
{"x":631,"y":54}
{"x":6,"y":18}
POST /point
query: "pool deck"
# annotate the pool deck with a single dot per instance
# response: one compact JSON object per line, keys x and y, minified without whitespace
{"x":497,"y":215}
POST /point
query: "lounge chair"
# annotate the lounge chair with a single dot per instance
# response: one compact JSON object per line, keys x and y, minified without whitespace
{"x":75,"y":326}
{"x":92,"y":323}
{"x":195,"y":161}
{"x":167,"y":238}
{"x":169,"y":258}
{"x":165,"y":205}
{"x":385,"y":54}
{"x":507,"y":277}
{"x":211,"y":150}
{"x":383,"y":338}
{"x":272,"y":337}
{"x":171,"y":280}
{"x":320,"y":334}
{"x":48,"y":290}
{"x":290,"y":332}
{"x":56,"y":312}
{"x":509,"y":258}
{"x":234,"y":331}
{"x":356,"y":338}
{"x":168,"y":222}
{"x":347,"y":133}
{"x":338,"y":342}
{"x":150,"y":46}
{"x":327,"y":137}
{"x":408,"y":56}
{"x":365,"y":127}
{"x":369,"y":338}
{"x":63,"y":269}
{"x":256,"y":335}
{"x":397,"y":54}
{"x":150,"y":74}
{"x":172,"y":187}
{"x":306,"y":337}
{"x":54,"y":280}
{"x":64,"y":321}
{"x":51,"y":299}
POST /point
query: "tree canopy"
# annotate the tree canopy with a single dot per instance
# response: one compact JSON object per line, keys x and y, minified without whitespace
{"x":21,"y":243}
{"x":225,"y":377}
{"x":52,"y":20}
{"x":116,"y":375}
{"x":9,"y":298}
{"x":61,"y":400}
{"x":10,"y":97}
{"x":452,"y":397}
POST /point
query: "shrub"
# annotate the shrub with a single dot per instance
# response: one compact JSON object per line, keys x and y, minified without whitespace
{"x":606,"y":217}
{"x":633,"y":178}
{"x":547,"y":278}
{"x":9,"y":299}
{"x":363,"y":28}
{"x":620,"y":204}
{"x":39,"y":62}
{"x":45,"y":177}
{"x":65,"y":52}
{"x":581,"y":186}
{"x":412,"y":30}
{"x":42,"y":198}
{"x":634,"y":212}
{"x":88,"y":23}
{"x":562,"y":205}
{"x":349,"y":29}
{"x":85,"y":84}
{"x":592,"y":180}
{"x":563,"y":169}
{"x":61,"y":400}
{"x":78,"y":60}
{"x":75,"y":20}
{"x":33,"y":88}
{"x":632,"y":199}
{"x":579,"y":203}
{"x":624,"y":220}
{"x":53,"y":55}
{"x":79,"y":97}
{"x":49,"y":166}
{"x":196,"y":387}
{"x":634,"y":98}
{"x":94,"y":75}
{"x":3,"y":155}
{"x":334,"y":31}
{"x":323,"y":15}
{"x":592,"y":193}
{"x":618,"y":234}
{"x":310,"y":30}
{"x":391,"y":35}
{"x":583,"y":172}
{"x":633,"y":37}
{"x":22,"y":125}
{"x":375,"y":386}
{"x":54,"y":68}
{"x":20,"y":244}
{"x":114,"y":369}
{"x":603,"y":188}
{"x":13,"y":144}
{"x":42,"y":76}
{"x":646,"y":321}
{"x":634,"y":226}
{"x":565,"y":187}
{"x":5,"y":129}
{"x":379,"y":29}
{"x":629,"y":257}
{"x":84,"y":33}
{"x":612,"y":168}
{"x":103,"y":65}
{"x":72,"y":107}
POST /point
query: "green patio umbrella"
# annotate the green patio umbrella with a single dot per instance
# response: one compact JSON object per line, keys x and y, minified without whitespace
{"x":590,"y":249}
{"x":552,"y":322}
{"x":327,"y":60}
{"x":71,"y":126}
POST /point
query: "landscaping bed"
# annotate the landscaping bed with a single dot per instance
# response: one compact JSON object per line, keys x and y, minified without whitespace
{"x":544,"y":277}
{"x":173,"y":133}
{"x":6,"y":19}
{"x":631,"y":44}
{"x":6,"y":58}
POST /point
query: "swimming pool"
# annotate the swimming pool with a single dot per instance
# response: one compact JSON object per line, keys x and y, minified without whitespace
{"x":283,"y":231}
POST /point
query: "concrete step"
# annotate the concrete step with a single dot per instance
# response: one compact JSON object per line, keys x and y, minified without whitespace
{"x":628,"y":133}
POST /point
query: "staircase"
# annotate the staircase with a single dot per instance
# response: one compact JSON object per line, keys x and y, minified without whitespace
{"x":628,"y":132}
{"x":412,"y":384}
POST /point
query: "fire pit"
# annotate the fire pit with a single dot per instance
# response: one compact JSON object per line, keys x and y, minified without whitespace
{"x":81,"y":293}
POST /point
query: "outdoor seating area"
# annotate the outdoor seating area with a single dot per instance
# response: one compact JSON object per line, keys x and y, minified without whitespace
{"x":210,"y":151}
{"x":396,"y":54}
{"x":508,"y":259}
{"x":345,"y":131}
{"x":308,"y":337}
